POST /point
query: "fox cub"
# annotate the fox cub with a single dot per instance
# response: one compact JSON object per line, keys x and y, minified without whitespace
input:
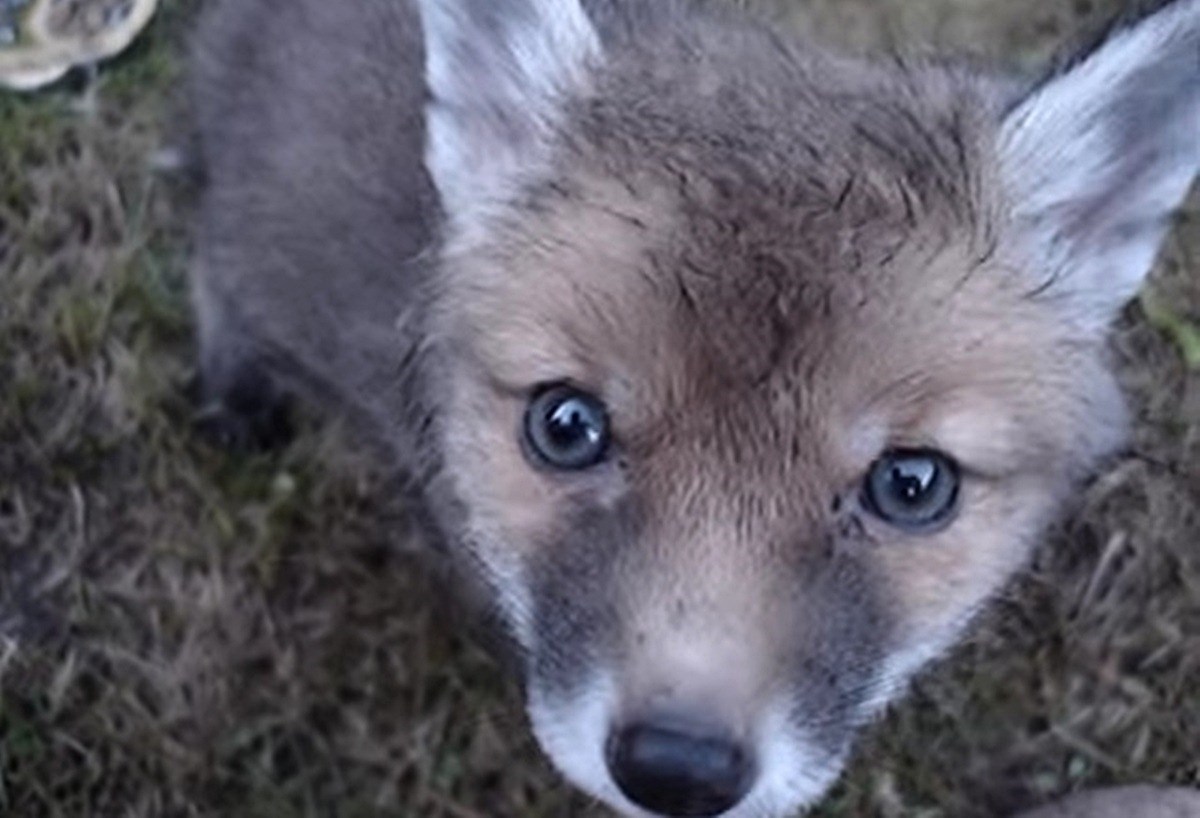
{"x":737,"y":373}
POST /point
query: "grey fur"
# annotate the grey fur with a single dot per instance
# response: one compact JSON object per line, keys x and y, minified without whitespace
{"x":317,"y":214}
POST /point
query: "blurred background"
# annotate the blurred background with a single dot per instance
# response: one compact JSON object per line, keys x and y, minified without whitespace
{"x":188,"y":633}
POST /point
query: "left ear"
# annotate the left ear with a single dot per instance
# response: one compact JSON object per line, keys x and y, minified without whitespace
{"x":1097,"y":158}
{"x":498,"y":72}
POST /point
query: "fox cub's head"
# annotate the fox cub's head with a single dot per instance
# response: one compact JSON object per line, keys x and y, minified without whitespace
{"x":770,"y":365}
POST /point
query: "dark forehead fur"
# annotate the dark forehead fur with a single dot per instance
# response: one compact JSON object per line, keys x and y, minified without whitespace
{"x":788,"y":185}
{"x":688,"y":86}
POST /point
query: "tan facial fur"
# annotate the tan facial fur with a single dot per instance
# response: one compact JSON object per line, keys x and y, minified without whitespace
{"x":745,"y":368}
{"x":755,"y":364}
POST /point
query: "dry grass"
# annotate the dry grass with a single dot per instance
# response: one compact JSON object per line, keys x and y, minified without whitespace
{"x":183,"y":633}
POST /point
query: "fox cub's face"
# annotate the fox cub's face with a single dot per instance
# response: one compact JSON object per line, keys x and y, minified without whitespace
{"x":768,"y":366}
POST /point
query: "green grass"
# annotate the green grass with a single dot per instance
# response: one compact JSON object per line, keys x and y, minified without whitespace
{"x":187,"y":633}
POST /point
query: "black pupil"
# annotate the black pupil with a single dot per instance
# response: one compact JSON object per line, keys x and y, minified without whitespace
{"x":572,"y":423}
{"x":912,"y":479}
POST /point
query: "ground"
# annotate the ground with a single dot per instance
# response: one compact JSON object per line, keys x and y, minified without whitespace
{"x":189,"y":633}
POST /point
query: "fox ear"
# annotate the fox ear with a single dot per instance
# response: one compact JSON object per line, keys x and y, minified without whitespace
{"x":497,"y":72}
{"x":1099,"y":156}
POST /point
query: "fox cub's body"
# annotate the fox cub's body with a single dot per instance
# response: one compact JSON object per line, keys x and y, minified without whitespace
{"x":740,"y":374}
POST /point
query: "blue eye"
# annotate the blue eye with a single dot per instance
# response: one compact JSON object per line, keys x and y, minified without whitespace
{"x":914,"y":489}
{"x":567,"y":428}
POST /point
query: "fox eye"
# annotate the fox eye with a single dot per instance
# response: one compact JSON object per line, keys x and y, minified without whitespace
{"x":566,"y":428}
{"x":914,"y":489}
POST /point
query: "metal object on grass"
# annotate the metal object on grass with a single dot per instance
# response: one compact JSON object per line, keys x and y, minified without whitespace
{"x":41,"y":40}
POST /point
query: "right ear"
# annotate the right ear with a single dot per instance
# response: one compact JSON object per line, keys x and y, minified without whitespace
{"x":498,"y":72}
{"x":1100,"y":156}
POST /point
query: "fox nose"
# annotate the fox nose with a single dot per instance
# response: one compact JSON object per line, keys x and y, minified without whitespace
{"x":677,"y":769}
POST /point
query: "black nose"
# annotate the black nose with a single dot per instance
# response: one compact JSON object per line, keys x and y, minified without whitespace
{"x":676,"y":769}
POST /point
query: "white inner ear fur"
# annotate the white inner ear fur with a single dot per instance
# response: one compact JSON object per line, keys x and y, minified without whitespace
{"x":1099,"y":157}
{"x":497,"y":71}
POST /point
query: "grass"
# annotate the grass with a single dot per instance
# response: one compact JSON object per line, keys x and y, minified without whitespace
{"x":186,"y":633}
